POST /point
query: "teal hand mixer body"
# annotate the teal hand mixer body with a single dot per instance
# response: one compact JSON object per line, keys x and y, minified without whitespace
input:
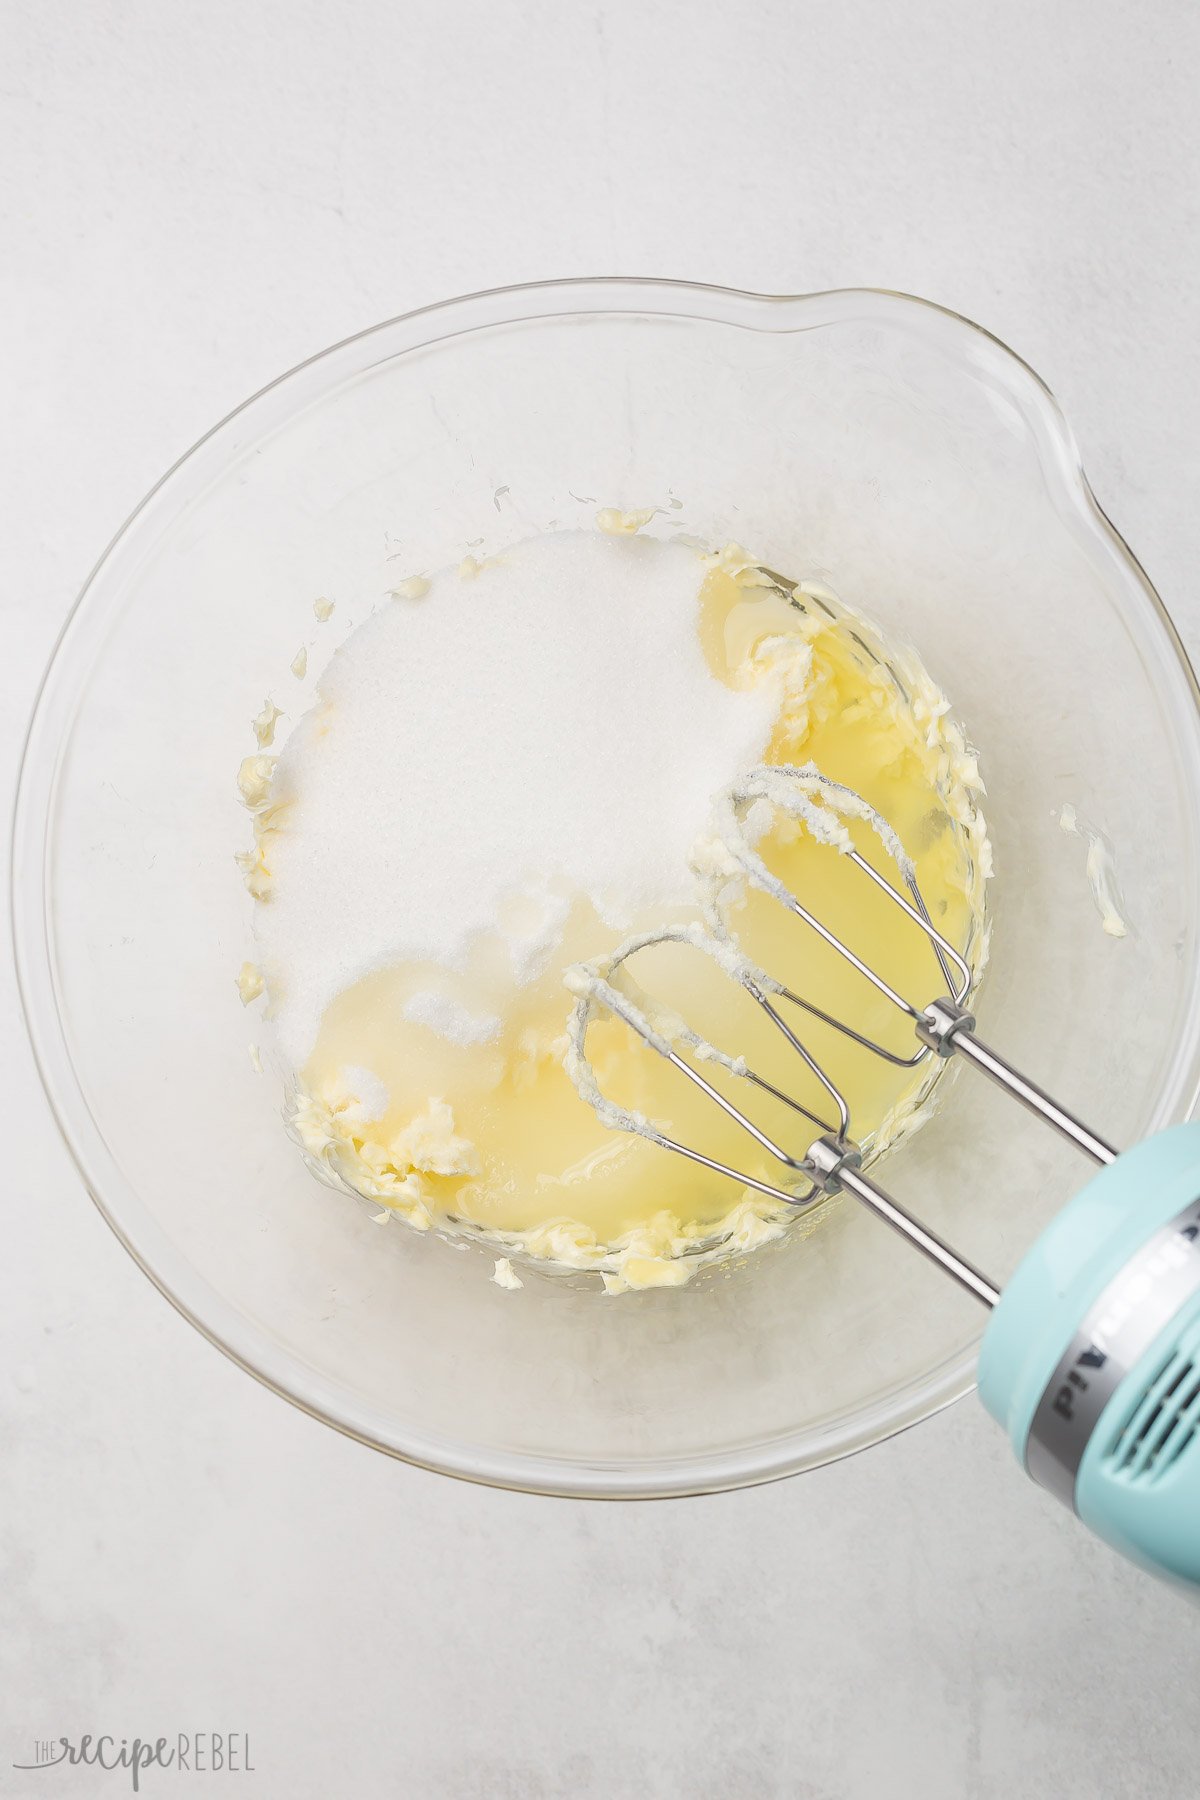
{"x":1091,"y":1356}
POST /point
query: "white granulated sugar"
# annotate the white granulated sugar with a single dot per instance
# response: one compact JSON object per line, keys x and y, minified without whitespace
{"x":365,"y":1091}
{"x":548,"y":727}
{"x":450,"y":1019}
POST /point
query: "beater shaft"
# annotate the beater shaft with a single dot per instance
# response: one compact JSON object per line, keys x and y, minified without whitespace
{"x":830,"y":1164}
{"x":947,"y":1027}
{"x":920,"y":1236}
{"x":834,"y":1164}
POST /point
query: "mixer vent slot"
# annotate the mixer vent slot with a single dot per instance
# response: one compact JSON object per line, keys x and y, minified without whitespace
{"x":1162,"y":1425}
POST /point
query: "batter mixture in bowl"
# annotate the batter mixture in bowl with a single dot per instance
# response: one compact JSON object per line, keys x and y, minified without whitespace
{"x":510,"y":768}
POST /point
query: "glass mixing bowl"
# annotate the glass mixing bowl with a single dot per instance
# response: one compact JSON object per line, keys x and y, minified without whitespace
{"x":874,"y":442}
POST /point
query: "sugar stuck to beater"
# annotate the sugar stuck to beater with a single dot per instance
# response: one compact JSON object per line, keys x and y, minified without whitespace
{"x":478,"y":755}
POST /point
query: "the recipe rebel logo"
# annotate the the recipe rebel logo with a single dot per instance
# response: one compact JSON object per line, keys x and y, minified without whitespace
{"x":199,"y":1753}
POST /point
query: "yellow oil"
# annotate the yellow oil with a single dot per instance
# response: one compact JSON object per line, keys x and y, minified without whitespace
{"x":542,"y":1163}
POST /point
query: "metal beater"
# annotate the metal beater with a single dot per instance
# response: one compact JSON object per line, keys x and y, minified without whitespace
{"x":1092,"y":1354}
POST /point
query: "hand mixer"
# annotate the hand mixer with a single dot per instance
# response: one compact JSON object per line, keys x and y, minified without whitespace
{"x":1091,"y":1356}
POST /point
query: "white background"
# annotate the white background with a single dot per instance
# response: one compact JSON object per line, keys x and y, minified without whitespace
{"x":196,"y":196}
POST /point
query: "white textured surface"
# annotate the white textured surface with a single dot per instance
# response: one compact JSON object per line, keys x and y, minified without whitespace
{"x":197,"y":197}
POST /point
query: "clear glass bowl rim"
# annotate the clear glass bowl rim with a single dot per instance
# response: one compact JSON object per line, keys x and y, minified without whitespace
{"x":195,"y":1298}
